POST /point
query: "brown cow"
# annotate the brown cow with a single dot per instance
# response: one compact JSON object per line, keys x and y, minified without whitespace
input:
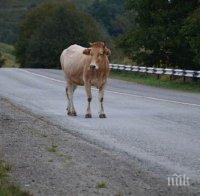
{"x":88,"y":67}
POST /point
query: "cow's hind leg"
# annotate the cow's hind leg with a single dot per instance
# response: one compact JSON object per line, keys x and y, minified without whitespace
{"x":101,"y":95}
{"x":89,"y":99}
{"x":69,"y":91}
{"x":68,"y":106}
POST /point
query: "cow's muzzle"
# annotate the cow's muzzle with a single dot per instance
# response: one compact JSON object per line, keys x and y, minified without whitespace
{"x":92,"y":66}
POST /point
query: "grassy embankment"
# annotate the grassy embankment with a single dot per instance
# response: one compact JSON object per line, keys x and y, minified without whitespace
{"x":163,"y":82}
{"x":8,"y":54}
{"x":6,"y":188}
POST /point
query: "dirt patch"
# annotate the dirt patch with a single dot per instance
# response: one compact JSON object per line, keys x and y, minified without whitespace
{"x":47,"y":160}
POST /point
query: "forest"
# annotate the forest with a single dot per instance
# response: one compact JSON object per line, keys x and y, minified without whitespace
{"x":161,"y":33}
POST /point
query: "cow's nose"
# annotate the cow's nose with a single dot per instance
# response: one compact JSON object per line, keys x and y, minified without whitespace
{"x":92,"y":66}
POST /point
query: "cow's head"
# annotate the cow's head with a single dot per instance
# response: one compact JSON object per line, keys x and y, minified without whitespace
{"x":99,"y":54}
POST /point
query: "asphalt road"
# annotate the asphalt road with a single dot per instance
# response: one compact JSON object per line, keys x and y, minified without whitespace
{"x":157,"y":127}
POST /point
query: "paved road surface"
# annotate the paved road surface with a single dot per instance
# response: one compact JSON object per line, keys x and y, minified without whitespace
{"x":157,"y":127}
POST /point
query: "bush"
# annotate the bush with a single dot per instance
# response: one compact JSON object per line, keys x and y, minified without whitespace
{"x":7,"y":53}
{"x":2,"y":60}
{"x":190,"y":31}
{"x":50,"y":28}
{"x":157,"y":39}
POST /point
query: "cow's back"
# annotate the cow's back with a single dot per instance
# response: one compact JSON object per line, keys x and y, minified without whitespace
{"x":71,"y":56}
{"x":72,"y":62}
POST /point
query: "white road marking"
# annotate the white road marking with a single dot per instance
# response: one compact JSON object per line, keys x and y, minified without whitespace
{"x":42,"y":76}
{"x":119,"y":93}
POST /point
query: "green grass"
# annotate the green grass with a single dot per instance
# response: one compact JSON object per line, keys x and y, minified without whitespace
{"x":50,"y":160}
{"x":101,"y":185}
{"x":163,"y":82}
{"x":8,"y":53}
{"x":6,"y":188}
{"x":53,"y":148}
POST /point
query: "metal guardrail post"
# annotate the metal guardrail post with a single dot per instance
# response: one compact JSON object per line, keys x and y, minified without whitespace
{"x":194,"y":79}
{"x":184,"y":78}
{"x":158,"y":71}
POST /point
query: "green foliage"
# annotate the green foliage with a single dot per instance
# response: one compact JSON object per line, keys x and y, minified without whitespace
{"x":83,"y":4}
{"x":110,"y":14}
{"x":101,"y":185}
{"x":157,"y":39}
{"x":163,"y":82}
{"x":191,"y":33}
{"x":53,"y":148}
{"x":7,"y":53}
{"x":2,"y":60}
{"x":11,"y":12}
{"x":7,"y":189}
{"x":50,"y":28}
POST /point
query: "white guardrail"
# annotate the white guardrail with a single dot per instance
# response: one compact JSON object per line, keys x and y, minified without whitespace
{"x":158,"y":71}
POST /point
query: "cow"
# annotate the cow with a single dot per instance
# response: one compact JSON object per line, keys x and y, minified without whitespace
{"x":86,"y":67}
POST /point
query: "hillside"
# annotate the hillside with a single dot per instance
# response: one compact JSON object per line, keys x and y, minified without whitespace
{"x":106,"y":12}
{"x":11,"y":11}
{"x":83,"y":4}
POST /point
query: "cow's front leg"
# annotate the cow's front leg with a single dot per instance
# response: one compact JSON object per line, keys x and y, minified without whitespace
{"x":70,"y":92}
{"x":101,"y":97}
{"x":89,"y":99}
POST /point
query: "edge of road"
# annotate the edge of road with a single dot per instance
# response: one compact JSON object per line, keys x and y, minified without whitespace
{"x":119,"y":93}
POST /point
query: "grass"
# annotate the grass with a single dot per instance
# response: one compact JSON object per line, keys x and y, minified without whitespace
{"x":6,"y":188}
{"x":53,"y":148}
{"x":8,"y":53}
{"x":163,"y":82}
{"x":50,"y":160}
{"x":101,"y":185}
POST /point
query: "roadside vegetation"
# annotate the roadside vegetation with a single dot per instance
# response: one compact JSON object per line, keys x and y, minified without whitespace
{"x":6,"y":188}
{"x":53,"y":148}
{"x":7,"y":56}
{"x":140,"y":32}
{"x":101,"y":185}
{"x":166,"y":34}
{"x":48,"y":29}
{"x":176,"y":83}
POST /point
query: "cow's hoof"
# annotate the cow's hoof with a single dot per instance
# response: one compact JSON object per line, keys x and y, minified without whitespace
{"x":72,"y":114}
{"x":88,"y":116}
{"x":102,"y":116}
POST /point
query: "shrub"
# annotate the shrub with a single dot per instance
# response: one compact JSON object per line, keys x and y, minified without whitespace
{"x":50,"y":28}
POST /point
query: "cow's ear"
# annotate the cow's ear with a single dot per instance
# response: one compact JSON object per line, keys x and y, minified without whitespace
{"x":87,"y":51}
{"x":107,"y":51}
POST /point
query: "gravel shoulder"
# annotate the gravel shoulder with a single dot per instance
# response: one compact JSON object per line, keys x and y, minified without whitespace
{"x":47,"y":160}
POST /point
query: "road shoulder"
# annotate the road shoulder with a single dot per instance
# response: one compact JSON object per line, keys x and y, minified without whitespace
{"x":47,"y":160}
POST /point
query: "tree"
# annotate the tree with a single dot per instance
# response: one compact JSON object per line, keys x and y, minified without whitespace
{"x":191,"y":33}
{"x":110,"y":14}
{"x":50,"y":28}
{"x":2,"y":60}
{"x":157,"y":40}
